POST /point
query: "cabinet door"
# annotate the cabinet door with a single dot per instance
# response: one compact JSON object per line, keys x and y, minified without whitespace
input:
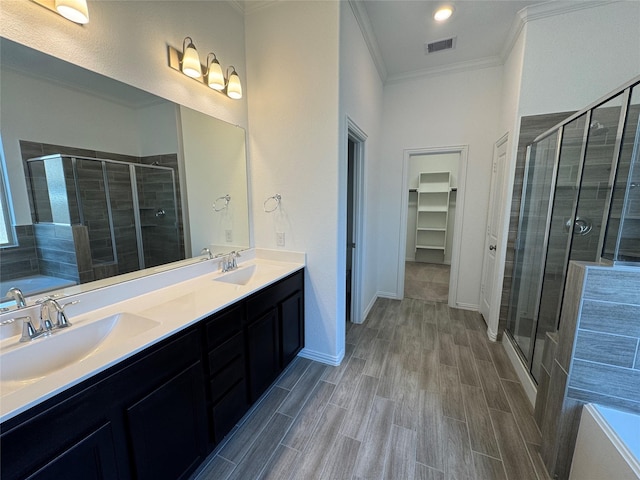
{"x":263,"y":352}
{"x":291,"y":328}
{"x":168,"y":429}
{"x":93,"y":457}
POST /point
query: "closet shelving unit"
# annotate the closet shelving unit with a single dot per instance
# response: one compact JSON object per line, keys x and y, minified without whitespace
{"x":434,"y":189}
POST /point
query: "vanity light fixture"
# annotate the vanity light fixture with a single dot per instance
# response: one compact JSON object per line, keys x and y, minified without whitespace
{"x":190,"y":62}
{"x":76,"y":11}
{"x":215,"y":78}
{"x":234,"y":87}
{"x":443,"y":13}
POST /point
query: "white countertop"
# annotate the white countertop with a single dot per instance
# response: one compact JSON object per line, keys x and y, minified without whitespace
{"x":174,"y":299}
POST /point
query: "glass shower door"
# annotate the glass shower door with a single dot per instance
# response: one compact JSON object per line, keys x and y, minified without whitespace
{"x":564,"y":204}
{"x":528,"y":263}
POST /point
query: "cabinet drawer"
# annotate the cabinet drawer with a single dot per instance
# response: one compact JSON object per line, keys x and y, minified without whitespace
{"x":226,"y":353}
{"x":223,"y":325}
{"x":227,"y":377}
{"x":270,"y":296}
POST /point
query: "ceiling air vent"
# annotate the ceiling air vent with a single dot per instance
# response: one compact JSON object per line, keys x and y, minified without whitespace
{"x":440,"y":45}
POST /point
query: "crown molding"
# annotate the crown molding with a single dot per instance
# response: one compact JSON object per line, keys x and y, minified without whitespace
{"x":487,"y":62}
{"x":237,"y":5}
{"x":249,"y":7}
{"x":364,"y":22}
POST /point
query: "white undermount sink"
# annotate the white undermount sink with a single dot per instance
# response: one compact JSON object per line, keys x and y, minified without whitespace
{"x":245,"y":274}
{"x":27,"y":362}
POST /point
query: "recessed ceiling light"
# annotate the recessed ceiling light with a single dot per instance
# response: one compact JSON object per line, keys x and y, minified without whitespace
{"x":443,"y":13}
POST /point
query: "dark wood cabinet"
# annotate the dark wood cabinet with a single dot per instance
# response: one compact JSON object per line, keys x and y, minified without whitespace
{"x":118,"y":424}
{"x":92,"y":457}
{"x":263,"y":352}
{"x":227,"y":370}
{"x":275,"y":331}
{"x":291,"y":327}
{"x":166,"y":428}
{"x":158,"y":414}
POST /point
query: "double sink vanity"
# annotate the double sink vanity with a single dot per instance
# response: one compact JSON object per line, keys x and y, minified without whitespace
{"x":152,"y":373}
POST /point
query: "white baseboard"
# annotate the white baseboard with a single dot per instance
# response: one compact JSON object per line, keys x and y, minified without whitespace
{"x":332,"y":360}
{"x":369,"y":307}
{"x":468,"y":306}
{"x":390,"y":295}
{"x":527,"y":382}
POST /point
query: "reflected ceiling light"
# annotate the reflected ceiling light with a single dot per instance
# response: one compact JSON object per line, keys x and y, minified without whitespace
{"x":190,"y":63}
{"x":215,"y":77}
{"x":443,"y":13}
{"x":234,"y":87}
{"x":74,"y":10}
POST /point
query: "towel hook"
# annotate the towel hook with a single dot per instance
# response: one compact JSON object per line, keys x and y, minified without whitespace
{"x":276,"y":199}
{"x":226,"y":198}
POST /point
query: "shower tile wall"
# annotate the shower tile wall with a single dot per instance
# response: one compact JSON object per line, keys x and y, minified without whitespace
{"x":22,"y":260}
{"x":162,"y":247}
{"x":530,"y":128}
{"x":63,"y":251}
{"x":594,"y":360}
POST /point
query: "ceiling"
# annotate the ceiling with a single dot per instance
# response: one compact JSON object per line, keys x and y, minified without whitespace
{"x":398,"y":29}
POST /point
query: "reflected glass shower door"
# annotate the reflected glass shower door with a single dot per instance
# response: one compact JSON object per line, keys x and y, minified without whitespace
{"x":122,"y":212}
{"x":529,"y":258}
{"x":157,"y":203}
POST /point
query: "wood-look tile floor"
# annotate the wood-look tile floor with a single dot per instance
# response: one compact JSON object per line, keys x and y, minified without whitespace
{"x":421,"y":394}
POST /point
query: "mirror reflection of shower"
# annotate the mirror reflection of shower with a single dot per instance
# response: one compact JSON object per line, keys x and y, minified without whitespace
{"x":95,"y":218}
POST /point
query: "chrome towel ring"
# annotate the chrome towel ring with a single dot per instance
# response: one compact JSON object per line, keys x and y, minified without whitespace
{"x":226,"y":198}
{"x":273,"y":202}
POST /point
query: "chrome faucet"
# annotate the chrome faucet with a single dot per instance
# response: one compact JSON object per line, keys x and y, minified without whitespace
{"x":18,"y":296}
{"x":207,"y":252}
{"x":229,"y":261}
{"x":52,"y":314}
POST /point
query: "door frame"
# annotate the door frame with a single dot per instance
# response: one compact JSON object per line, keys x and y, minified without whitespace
{"x":357,"y":135}
{"x":463,"y":151}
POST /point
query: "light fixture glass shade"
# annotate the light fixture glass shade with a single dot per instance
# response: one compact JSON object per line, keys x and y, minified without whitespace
{"x":74,"y":10}
{"x":443,"y":13}
{"x":190,"y":63}
{"x":215,"y":77}
{"x":234,"y":87}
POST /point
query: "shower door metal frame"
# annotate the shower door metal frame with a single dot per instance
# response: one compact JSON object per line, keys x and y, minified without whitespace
{"x":134,"y":192}
{"x":625,"y":90}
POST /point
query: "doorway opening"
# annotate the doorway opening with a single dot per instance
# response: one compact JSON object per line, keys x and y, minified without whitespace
{"x":354,"y":216}
{"x":431,"y":223}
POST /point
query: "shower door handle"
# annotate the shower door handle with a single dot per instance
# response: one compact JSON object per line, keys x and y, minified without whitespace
{"x":492,"y":247}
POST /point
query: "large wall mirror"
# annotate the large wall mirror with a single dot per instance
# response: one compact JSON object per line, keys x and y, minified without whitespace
{"x":104,"y":182}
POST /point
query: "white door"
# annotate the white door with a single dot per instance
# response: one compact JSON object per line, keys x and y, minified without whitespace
{"x":488,"y":295}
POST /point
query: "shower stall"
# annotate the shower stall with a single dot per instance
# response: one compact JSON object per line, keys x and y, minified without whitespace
{"x":115,"y":217}
{"x":580,"y":201}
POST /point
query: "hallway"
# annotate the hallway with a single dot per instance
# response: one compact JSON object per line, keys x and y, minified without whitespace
{"x":421,"y":394}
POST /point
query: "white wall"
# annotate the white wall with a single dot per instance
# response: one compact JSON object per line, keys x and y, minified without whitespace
{"x":439,"y":111}
{"x":361,"y":101}
{"x":292,"y":59}
{"x":572,"y":60}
